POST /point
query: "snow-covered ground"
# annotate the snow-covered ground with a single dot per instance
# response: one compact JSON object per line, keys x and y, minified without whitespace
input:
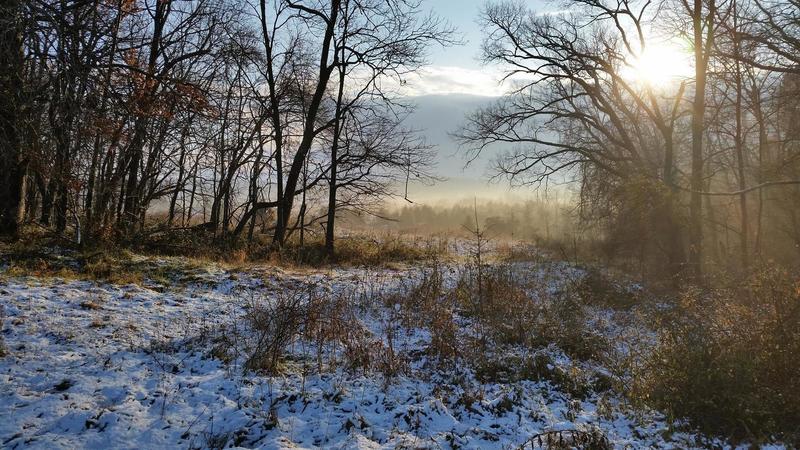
{"x":95,"y":365}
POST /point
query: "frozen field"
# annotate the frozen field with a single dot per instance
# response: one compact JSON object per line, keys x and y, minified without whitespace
{"x":95,"y":365}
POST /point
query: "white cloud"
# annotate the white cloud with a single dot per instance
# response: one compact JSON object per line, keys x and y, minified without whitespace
{"x":442,"y":80}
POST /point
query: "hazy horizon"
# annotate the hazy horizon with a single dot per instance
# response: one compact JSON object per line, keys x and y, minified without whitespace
{"x":453,"y":84}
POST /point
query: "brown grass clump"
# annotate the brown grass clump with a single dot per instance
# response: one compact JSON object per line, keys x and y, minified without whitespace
{"x":598,"y":288}
{"x":3,"y":351}
{"x":364,"y":250}
{"x":91,"y":305}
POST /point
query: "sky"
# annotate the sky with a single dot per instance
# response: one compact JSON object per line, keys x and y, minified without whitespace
{"x":455,"y":83}
{"x":458,"y":69}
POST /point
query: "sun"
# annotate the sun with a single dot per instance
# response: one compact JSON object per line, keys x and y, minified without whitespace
{"x":660,"y":65}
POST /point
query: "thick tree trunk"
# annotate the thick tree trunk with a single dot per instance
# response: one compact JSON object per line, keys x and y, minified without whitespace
{"x":11,"y":110}
{"x":701,"y":47}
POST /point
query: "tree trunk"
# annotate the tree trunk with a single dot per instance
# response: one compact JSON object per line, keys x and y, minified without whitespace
{"x":330,"y":228}
{"x":701,"y":53}
{"x":11,"y":111}
{"x":758,"y":115}
{"x":674,"y":244}
{"x":739,"y":146}
{"x":180,"y":181}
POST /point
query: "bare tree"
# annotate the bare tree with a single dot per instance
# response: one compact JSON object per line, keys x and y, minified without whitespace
{"x":573,"y":111}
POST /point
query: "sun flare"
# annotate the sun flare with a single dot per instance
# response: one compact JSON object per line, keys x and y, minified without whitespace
{"x":659,"y":65}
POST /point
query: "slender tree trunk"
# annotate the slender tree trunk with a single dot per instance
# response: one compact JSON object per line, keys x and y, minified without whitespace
{"x":180,"y":181}
{"x":739,"y":147}
{"x":303,"y":207}
{"x":758,"y":115}
{"x":149,"y":88}
{"x":337,"y":131}
{"x":740,"y":165}
{"x":254,"y":176}
{"x":275,"y":117}
{"x":675,"y":254}
{"x":97,"y":151}
{"x":192,"y":194}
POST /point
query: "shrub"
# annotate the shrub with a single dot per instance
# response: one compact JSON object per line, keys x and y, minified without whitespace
{"x":572,"y":379}
{"x":563,"y":321}
{"x":363,"y":250}
{"x":511,"y":311}
{"x":592,"y":439}
{"x":498,"y":302}
{"x":275,"y":324}
{"x":599,"y":289}
{"x":444,"y":335}
{"x":326,"y":327}
{"x":727,"y":359}
{"x":426,"y":304}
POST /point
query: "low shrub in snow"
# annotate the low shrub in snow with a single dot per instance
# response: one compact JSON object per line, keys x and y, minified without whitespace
{"x":727,"y":358}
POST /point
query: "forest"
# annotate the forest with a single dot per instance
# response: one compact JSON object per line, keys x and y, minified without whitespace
{"x":223,"y":194}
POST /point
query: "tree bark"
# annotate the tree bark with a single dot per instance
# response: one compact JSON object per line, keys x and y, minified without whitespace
{"x":739,"y":146}
{"x":11,"y":112}
{"x":330,"y":228}
{"x":701,"y":58}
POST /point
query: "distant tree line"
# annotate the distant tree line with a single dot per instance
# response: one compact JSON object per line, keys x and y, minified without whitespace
{"x":703,"y":171}
{"x":217,"y":114}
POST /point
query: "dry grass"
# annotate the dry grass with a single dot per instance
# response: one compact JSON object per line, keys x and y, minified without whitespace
{"x":276,"y":324}
{"x":360,"y":249}
{"x":364,"y":250}
{"x":112,"y":265}
{"x":506,"y":309}
{"x":3,"y":351}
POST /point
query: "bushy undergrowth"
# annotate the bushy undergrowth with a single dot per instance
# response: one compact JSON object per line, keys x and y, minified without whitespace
{"x":310,"y":329}
{"x":111,"y":265}
{"x":598,"y":288}
{"x":510,"y":310}
{"x":355,"y":250}
{"x":727,"y":359}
